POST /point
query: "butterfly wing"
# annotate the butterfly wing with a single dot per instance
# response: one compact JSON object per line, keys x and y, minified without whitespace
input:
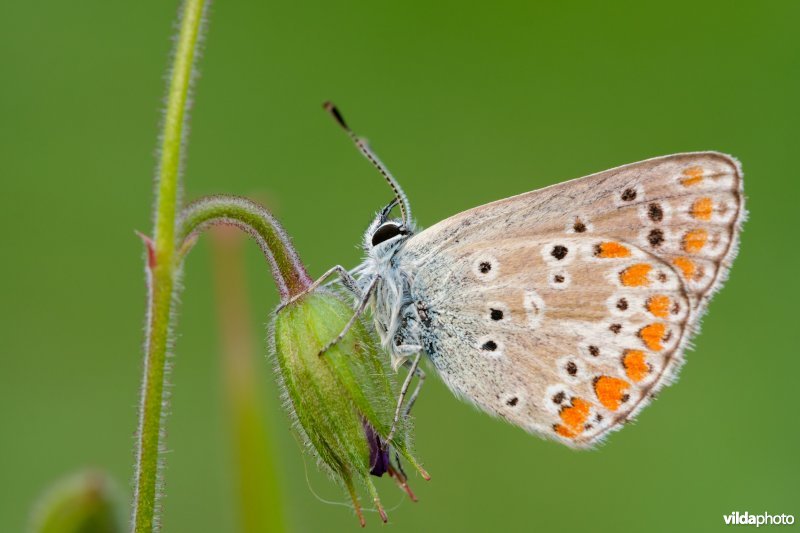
{"x":564,"y":310}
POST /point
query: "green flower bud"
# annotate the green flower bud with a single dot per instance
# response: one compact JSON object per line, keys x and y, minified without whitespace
{"x":87,"y":502}
{"x":343,"y":399}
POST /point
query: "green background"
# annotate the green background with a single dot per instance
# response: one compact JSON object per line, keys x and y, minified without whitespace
{"x":466,"y":103}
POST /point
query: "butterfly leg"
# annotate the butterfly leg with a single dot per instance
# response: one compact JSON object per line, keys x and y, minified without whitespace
{"x":413,"y":370}
{"x":413,"y":398}
{"x":362,"y":306}
{"x":400,"y":475}
{"x":349,"y":282}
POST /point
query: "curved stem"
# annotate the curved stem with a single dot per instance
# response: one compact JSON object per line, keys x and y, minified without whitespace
{"x":287,"y":269}
{"x":162,"y":270}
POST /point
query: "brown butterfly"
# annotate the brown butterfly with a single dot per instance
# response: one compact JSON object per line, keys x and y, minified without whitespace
{"x":562,"y":310}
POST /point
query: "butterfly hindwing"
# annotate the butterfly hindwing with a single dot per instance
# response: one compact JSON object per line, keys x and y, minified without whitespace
{"x":563,"y":310}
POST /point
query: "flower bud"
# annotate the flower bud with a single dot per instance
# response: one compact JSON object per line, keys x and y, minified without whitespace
{"x":86,"y":502}
{"x":343,"y":400}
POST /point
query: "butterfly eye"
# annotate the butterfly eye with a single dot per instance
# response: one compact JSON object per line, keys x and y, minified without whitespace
{"x":386,"y":232}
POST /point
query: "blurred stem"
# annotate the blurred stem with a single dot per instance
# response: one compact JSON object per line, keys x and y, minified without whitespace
{"x":289,"y":273}
{"x":260,"y":505}
{"x":162,"y":270}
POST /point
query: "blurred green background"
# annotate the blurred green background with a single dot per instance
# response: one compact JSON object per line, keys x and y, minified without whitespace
{"x":466,"y":103}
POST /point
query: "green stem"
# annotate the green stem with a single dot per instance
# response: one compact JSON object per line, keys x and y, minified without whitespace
{"x":162,"y":271}
{"x":259,"y":496}
{"x":287,"y":269}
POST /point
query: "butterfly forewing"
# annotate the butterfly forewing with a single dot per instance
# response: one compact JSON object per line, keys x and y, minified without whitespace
{"x":563,"y":310}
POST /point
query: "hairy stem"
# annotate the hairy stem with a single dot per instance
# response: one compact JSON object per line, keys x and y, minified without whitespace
{"x":288,"y":271}
{"x":162,"y":270}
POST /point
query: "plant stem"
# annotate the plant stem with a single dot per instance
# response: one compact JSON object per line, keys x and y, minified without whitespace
{"x":288,"y":271}
{"x":162,"y":270}
{"x":259,"y":497}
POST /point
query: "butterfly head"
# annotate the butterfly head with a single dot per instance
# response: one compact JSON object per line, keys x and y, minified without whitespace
{"x":385,"y":234}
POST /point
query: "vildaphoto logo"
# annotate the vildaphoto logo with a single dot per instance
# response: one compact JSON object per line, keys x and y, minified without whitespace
{"x":741,"y":519}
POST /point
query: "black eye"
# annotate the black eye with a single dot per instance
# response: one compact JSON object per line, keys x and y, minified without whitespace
{"x":386,"y":232}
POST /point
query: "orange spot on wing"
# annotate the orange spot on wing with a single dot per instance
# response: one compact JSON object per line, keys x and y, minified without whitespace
{"x":702,"y":209}
{"x":573,"y":418}
{"x":635,"y":366}
{"x":611,"y":391}
{"x":692,"y":176}
{"x":565,"y":432}
{"x":694,"y":240}
{"x":635,"y":275}
{"x":652,"y":336}
{"x":658,"y":305}
{"x":612,"y":250}
{"x":686,"y":265}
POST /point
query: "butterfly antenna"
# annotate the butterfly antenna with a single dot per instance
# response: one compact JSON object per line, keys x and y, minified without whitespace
{"x":363,"y":147}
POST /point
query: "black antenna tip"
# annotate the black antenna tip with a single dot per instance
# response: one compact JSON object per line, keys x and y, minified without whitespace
{"x":330,"y":108}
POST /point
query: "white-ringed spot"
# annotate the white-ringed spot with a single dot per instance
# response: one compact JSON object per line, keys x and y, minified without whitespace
{"x":497,"y":312}
{"x":485,"y":267}
{"x":570,"y":368}
{"x":556,"y":397}
{"x":559,"y":253}
{"x":490,"y":347}
{"x":559,"y":280}
{"x":629,"y":195}
{"x":621,"y":305}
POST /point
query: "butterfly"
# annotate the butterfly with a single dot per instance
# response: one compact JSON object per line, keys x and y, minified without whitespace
{"x":562,"y":310}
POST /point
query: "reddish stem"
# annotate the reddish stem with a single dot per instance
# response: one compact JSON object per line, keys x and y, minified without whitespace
{"x":287,"y":269}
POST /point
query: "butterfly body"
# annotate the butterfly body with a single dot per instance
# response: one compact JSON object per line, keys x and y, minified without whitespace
{"x":562,"y":310}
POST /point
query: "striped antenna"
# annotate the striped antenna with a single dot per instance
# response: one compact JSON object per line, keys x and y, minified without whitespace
{"x":363,"y":147}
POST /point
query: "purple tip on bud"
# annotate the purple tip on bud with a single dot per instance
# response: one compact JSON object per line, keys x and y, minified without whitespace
{"x":378,"y":453}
